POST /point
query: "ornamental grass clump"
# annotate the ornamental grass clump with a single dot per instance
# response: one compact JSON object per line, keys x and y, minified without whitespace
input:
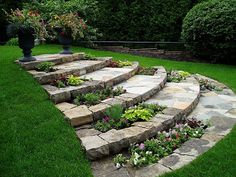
{"x":150,"y":151}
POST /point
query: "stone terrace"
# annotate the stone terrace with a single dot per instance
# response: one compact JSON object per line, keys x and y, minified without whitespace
{"x":181,"y":100}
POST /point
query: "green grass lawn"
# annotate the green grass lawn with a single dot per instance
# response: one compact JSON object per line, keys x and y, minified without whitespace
{"x":36,"y":141}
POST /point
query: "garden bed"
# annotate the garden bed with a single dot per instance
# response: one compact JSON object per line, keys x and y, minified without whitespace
{"x":165,"y":143}
{"x":117,"y":118}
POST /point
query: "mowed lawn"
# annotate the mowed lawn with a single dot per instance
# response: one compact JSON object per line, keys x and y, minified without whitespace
{"x":36,"y":141}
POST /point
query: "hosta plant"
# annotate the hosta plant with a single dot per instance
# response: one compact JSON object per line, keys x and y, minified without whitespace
{"x":70,"y":80}
{"x":177,"y":76}
{"x":115,"y":118}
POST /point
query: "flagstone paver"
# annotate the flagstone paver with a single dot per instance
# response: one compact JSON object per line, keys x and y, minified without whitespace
{"x":152,"y":85}
{"x":77,"y":68}
{"x":55,"y":58}
{"x":103,"y":77}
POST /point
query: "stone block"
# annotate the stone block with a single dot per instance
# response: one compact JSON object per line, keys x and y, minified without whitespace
{"x":79,"y":115}
{"x":98,"y":110}
{"x":65,"y":106}
{"x":95,"y":147}
{"x":87,"y":132}
{"x":176,"y":161}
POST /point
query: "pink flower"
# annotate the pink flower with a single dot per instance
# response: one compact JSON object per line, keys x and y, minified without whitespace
{"x":142,"y":146}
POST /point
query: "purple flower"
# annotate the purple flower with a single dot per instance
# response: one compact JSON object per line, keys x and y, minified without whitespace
{"x":106,"y":119}
{"x":142,"y":146}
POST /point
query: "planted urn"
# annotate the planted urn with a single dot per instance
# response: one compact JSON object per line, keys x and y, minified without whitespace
{"x":68,"y":28}
{"x":27,"y":26}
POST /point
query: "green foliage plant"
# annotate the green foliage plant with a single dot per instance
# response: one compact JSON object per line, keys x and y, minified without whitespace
{"x":209,"y":29}
{"x":46,"y":67}
{"x":74,"y":80}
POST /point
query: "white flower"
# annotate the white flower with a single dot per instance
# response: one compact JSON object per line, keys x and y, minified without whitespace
{"x":149,"y":152}
{"x":135,"y":161}
{"x":118,"y":165}
{"x":167,"y":134}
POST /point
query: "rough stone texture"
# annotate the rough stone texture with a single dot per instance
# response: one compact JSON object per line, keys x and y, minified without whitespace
{"x":100,"y":79}
{"x":175,"y":161}
{"x":77,"y":68}
{"x":79,"y":115}
{"x":109,"y":75}
{"x":87,"y":132}
{"x":145,"y":85}
{"x":95,"y":146}
{"x":151,"y":171}
{"x":55,"y":58}
{"x":65,"y":106}
{"x":98,"y":110}
{"x":114,"y":101}
{"x":194,"y":147}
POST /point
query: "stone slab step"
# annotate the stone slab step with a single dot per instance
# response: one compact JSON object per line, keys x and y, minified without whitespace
{"x":77,"y":68}
{"x":55,"y":58}
{"x":100,"y":79}
{"x":114,"y":141}
{"x":217,"y":108}
{"x":138,"y":89}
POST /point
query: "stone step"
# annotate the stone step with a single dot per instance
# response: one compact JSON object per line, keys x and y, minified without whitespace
{"x":216,"y":107}
{"x":180,"y":99}
{"x":55,"y":58}
{"x":76,"y":68}
{"x":138,"y":89}
{"x":99,"y":79}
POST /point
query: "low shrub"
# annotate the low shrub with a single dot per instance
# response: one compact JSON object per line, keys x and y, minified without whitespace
{"x":97,"y":96}
{"x":46,"y":67}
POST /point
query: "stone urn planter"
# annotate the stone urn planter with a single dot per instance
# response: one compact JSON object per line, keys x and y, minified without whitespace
{"x":26,"y":43}
{"x":66,"y":42}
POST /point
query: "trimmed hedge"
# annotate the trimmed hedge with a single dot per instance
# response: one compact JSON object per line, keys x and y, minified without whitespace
{"x":210,"y":30}
{"x":159,"y":20}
